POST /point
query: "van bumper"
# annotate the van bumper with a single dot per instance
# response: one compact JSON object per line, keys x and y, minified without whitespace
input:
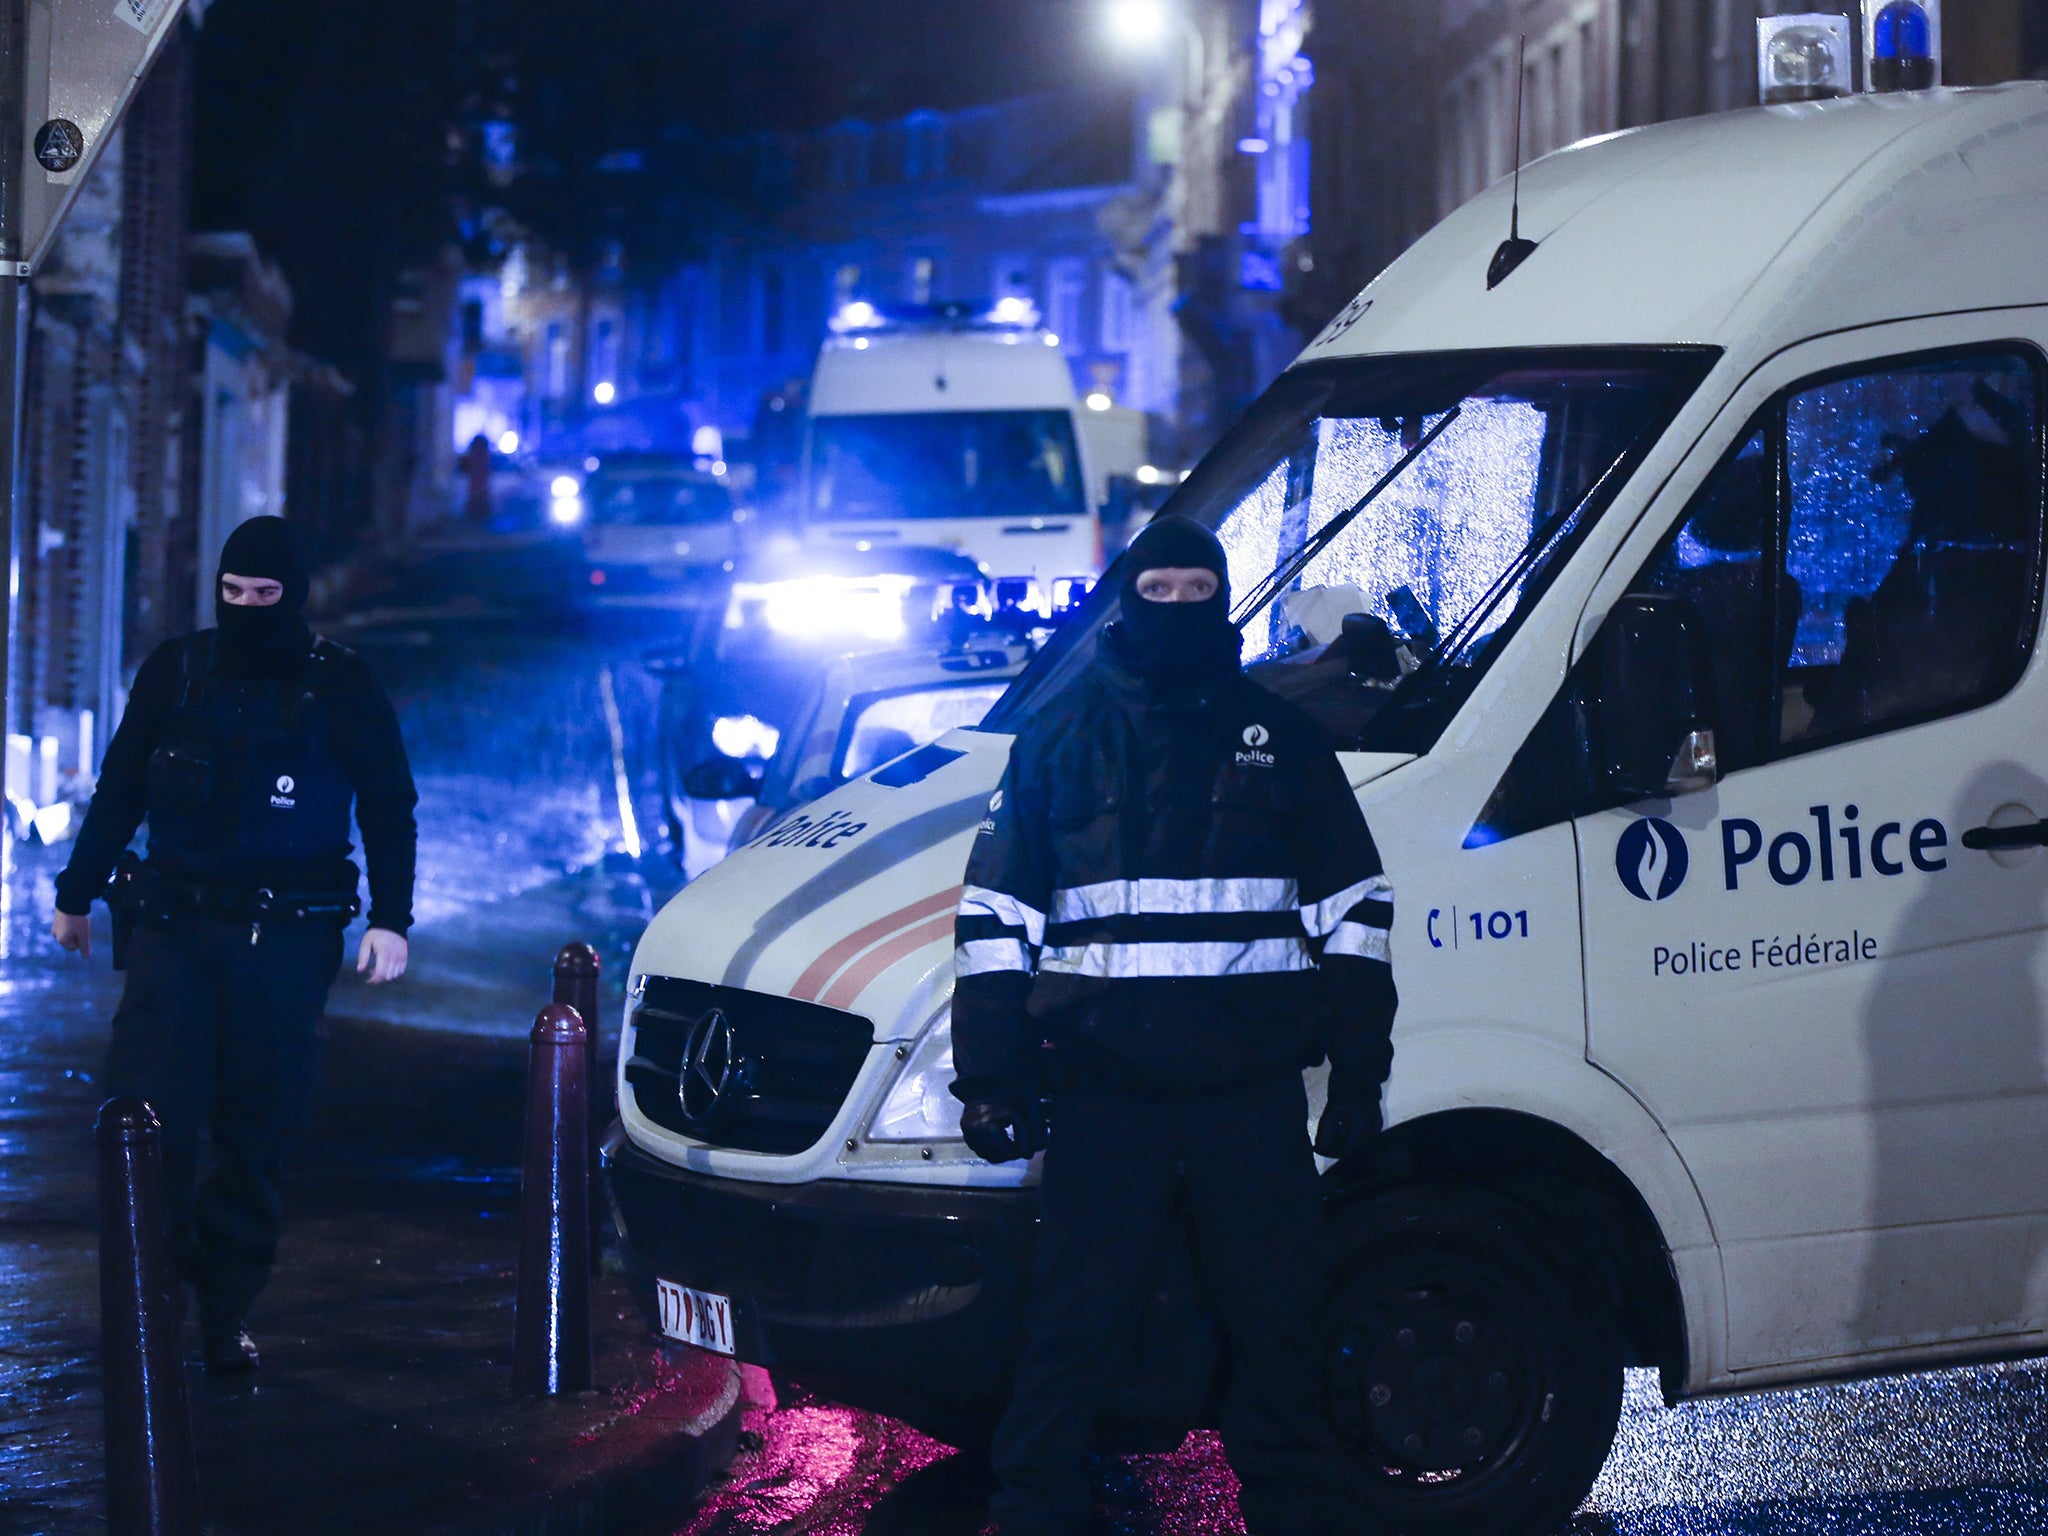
{"x":907,"y":1300}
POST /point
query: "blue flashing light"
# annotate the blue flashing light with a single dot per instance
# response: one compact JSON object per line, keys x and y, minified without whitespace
{"x":1902,"y":47}
{"x":1901,"y":32}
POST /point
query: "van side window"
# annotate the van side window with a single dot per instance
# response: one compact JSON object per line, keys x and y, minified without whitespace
{"x":1868,"y":557}
{"x":1913,"y":529}
{"x":1723,"y":560}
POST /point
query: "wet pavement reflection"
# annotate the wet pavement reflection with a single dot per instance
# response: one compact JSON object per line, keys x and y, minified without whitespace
{"x":1948,"y":1453}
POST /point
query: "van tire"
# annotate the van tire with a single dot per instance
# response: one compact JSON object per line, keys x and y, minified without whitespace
{"x":1473,"y":1363}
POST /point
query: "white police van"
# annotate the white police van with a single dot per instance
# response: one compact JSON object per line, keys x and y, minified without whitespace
{"x":1678,"y":602}
{"x":956,"y":427}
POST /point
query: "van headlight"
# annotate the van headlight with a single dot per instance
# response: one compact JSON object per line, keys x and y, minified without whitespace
{"x":919,"y":1105}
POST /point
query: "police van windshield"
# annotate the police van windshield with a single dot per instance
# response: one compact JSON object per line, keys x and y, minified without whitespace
{"x":1386,"y":630}
{"x":945,"y":464}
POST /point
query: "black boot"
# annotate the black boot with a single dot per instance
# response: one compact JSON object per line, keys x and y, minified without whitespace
{"x":225,"y":1348}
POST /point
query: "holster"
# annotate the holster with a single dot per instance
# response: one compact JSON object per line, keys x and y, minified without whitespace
{"x":124,"y":904}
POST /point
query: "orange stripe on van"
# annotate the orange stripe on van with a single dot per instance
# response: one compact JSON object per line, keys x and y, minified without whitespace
{"x":835,"y":959}
{"x":855,"y":978}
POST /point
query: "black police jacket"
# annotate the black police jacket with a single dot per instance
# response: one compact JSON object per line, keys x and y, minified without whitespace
{"x":248,"y":780}
{"x":1176,"y":890}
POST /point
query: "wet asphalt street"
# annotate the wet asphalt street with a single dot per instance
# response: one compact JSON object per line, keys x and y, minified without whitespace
{"x":505,"y":721}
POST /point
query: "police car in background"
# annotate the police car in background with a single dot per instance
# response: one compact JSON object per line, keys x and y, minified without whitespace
{"x":1675,"y":590}
{"x":649,"y":524}
{"x":766,"y":660}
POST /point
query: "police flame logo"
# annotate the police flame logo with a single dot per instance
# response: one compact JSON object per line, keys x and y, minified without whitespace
{"x":1651,"y":859}
{"x":285,"y":784}
{"x":1256,"y":735}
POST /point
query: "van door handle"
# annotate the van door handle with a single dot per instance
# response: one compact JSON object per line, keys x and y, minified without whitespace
{"x":1991,"y":839}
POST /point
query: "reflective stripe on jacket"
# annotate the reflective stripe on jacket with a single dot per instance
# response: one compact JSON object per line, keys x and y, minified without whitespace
{"x":1175,"y":889}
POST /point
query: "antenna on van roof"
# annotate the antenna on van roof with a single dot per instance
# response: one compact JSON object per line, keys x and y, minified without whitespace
{"x":1514,"y":250}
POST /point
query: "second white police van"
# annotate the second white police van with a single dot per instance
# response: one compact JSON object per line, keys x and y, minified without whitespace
{"x":1677,"y":602}
{"x":955,"y":427}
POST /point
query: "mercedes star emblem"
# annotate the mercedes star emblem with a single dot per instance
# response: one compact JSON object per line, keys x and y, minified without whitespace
{"x":707,"y":1066}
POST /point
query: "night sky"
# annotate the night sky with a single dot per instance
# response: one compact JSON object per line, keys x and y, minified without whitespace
{"x":326,"y":129}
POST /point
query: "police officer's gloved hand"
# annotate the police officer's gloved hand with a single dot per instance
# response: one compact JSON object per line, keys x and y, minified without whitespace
{"x":1000,"y":1129}
{"x":1351,"y":1118}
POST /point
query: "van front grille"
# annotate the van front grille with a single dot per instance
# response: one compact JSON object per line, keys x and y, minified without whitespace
{"x":744,"y":1070}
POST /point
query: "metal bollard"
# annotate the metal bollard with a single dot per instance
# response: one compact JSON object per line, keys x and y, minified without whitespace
{"x":577,"y":971}
{"x":551,"y":1323}
{"x":152,"y":1482}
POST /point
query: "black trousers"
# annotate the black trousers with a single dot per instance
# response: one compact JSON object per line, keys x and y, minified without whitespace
{"x":1105,"y":1203}
{"x":222,"y":1034}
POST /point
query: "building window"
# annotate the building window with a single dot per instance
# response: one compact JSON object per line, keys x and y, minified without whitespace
{"x":557,"y":361}
{"x":1066,"y":291}
{"x":850,"y":150}
{"x":919,"y":280}
{"x":924,"y":146}
{"x":604,"y":353}
{"x":1119,"y":329}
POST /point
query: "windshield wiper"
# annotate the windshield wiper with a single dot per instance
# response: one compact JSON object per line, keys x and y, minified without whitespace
{"x":1288,"y":570}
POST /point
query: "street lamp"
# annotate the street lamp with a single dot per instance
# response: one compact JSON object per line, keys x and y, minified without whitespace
{"x":1138,"y":23}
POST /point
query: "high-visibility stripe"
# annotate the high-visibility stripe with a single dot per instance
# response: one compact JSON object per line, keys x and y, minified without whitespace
{"x":979,"y":901}
{"x":1179,"y":898}
{"x":978,"y":957}
{"x":1357,"y":939}
{"x":1321,"y":917}
{"x":1126,"y":962}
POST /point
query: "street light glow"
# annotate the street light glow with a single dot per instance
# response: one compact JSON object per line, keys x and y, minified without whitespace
{"x":1098,"y":400}
{"x":605,"y":393}
{"x":508,"y":442}
{"x":1138,"y":23}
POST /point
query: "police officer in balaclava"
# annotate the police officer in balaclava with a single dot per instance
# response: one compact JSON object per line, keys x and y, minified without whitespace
{"x":1173,"y":908}
{"x":244,"y":747}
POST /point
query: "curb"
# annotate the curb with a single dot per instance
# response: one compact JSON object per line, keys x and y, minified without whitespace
{"x":647,"y":1467}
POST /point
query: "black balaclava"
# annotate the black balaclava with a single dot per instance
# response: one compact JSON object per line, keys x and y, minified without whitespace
{"x":274,"y":637}
{"x":1175,"y":642}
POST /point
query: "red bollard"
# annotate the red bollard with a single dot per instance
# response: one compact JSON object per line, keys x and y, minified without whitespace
{"x":576,"y":976}
{"x":152,"y":1483}
{"x":551,"y":1323}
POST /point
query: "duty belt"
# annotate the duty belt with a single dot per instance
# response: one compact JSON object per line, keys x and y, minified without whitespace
{"x":153,"y":894}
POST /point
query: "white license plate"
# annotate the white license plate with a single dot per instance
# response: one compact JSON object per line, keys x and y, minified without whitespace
{"x":695,"y":1317}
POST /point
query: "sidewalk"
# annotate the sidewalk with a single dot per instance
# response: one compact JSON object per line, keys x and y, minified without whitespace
{"x":384,"y":1403}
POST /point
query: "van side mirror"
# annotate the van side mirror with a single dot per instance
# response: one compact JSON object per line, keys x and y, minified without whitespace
{"x":1656,"y":731}
{"x":724,"y":778}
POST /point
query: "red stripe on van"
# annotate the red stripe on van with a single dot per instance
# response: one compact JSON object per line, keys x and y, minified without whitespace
{"x":835,"y":959}
{"x":855,"y":978}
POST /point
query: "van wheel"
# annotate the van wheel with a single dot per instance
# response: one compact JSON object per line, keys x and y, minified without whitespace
{"x":1474,"y":1366}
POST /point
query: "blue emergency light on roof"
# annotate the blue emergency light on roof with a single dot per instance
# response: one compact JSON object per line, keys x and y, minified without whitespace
{"x":1903,"y":37}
